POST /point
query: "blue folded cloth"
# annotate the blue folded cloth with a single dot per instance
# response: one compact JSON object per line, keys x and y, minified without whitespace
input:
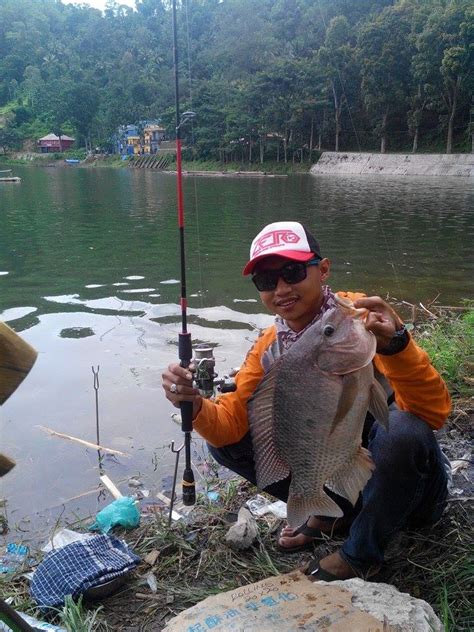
{"x":74,"y":568}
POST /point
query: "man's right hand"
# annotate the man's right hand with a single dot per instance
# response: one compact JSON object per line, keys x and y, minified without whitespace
{"x":177,"y":383}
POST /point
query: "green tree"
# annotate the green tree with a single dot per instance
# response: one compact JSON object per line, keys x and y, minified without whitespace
{"x":444,"y":60}
{"x":80,"y":106}
{"x":10,"y":138}
{"x":337,"y":63}
{"x":264,"y":77}
{"x":385,"y":65}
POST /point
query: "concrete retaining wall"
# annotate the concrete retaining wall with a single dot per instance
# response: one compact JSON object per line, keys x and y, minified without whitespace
{"x":349,"y":163}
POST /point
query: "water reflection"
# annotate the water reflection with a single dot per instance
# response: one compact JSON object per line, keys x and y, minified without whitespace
{"x":76,"y":332}
{"x":91,"y":259}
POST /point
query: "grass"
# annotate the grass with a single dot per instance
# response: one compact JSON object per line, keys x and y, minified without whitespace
{"x":75,"y":618}
{"x":191,"y":560}
{"x":449,"y":341}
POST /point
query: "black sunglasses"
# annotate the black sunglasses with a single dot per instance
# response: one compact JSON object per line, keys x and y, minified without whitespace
{"x":294,"y":272}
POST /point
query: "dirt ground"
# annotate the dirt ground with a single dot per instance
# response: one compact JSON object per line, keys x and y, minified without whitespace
{"x":183,"y":565}
{"x":194,"y":560}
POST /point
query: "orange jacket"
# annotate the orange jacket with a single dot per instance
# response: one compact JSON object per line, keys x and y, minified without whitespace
{"x":418,"y":388}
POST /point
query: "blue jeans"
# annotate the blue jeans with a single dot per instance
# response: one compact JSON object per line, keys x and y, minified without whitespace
{"x":407,"y":489}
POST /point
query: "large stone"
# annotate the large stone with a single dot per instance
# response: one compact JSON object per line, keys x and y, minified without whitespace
{"x":243,"y":533}
{"x":292,"y":602}
{"x":400,"y":611}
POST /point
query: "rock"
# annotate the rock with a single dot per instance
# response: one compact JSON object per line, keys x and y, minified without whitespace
{"x":243,"y":533}
{"x":400,"y":611}
{"x":291,"y":602}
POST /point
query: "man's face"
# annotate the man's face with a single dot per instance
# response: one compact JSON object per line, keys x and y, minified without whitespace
{"x":297,"y":303}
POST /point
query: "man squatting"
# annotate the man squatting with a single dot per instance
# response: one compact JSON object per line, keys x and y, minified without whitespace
{"x":409,"y":485}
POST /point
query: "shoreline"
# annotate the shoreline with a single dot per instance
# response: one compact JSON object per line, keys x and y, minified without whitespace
{"x":359,"y":163}
{"x":329,"y":163}
{"x":230,"y":174}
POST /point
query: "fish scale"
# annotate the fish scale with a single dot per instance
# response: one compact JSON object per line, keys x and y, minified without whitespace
{"x":306,"y":416}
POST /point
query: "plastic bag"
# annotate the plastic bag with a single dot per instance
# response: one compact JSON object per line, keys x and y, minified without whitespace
{"x":259,"y":506}
{"x":34,"y":623}
{"x":63,"y":537}
{"x":14,"y":557}
{"x":122,"y":512}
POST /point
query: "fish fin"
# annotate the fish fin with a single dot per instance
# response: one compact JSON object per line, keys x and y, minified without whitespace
{"x":350,"y":385}
{"x":299,"y":508}
{"x":270,"y":467}
{"x":378,"y":403}
{"x":351,"y":478}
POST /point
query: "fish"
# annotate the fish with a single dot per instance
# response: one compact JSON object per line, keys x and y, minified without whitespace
{"x":307,"y":414}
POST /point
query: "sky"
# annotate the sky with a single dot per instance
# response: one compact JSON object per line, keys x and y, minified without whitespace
{"x":99,"y":4}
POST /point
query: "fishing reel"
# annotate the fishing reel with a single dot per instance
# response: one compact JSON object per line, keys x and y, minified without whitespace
{"x":205,"y":377}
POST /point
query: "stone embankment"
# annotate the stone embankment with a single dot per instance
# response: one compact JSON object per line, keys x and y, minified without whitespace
{"x":352,"y":163}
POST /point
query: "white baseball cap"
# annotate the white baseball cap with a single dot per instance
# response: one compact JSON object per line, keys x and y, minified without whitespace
{"x":290,"y":240}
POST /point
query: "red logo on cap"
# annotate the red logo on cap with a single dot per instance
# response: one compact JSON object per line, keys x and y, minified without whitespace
{"x":273,"y":239}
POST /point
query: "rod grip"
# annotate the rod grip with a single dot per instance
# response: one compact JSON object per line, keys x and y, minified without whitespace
{"x":185,"y":348}
{"x":186,"y":416}
{"x":189,"y":488}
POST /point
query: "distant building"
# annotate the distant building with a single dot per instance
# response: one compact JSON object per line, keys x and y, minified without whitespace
{"x":153,"y":134}
{"x":144,"y":138}
{"x":123,"y":145}
{"x":133,"y":146}
{"x":51,"y":143}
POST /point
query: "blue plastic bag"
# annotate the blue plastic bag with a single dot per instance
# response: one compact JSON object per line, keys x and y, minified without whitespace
{"x":15,"y":556}
{"x":122,"y":512}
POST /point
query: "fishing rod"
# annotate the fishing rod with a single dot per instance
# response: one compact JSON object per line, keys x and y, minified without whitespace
{"x":184,"y":339}
{"x":204,"y":361}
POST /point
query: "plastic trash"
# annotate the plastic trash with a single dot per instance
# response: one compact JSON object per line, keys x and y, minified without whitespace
{"x":122,"y":512}
{"x":63,"y":537}
{"x":152,"y":583}
{"x":15,"y":556}
{"x":259,"y":506}
{"x":213,"y":496}
{"x":34,"y":623}
{"x":278,"y":509}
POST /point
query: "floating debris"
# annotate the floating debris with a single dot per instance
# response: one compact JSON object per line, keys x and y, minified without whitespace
{"x":88,"y":444}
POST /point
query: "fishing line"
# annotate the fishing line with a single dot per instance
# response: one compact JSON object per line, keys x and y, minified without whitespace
{"x":190,"y":85}
{"x":196,"y":206}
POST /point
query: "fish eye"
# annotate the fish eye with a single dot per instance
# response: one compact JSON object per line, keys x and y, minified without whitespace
{"x":329,"y":330}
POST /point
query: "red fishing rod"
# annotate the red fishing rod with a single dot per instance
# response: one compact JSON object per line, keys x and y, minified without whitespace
{"x":184,"y":340}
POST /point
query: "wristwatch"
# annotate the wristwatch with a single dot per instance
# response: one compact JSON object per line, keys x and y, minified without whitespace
{"x":398,"y":342}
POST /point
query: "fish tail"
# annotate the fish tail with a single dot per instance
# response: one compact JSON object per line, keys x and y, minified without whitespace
{"x":299,"y":508}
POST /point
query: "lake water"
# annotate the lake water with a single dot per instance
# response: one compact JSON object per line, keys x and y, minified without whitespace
{"x":89,"y":269}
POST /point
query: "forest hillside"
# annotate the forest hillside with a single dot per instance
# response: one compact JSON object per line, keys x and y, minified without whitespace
{"x":267,"y":79}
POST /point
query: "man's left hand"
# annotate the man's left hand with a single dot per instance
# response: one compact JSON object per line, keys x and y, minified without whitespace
{"x":382,"y":320}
